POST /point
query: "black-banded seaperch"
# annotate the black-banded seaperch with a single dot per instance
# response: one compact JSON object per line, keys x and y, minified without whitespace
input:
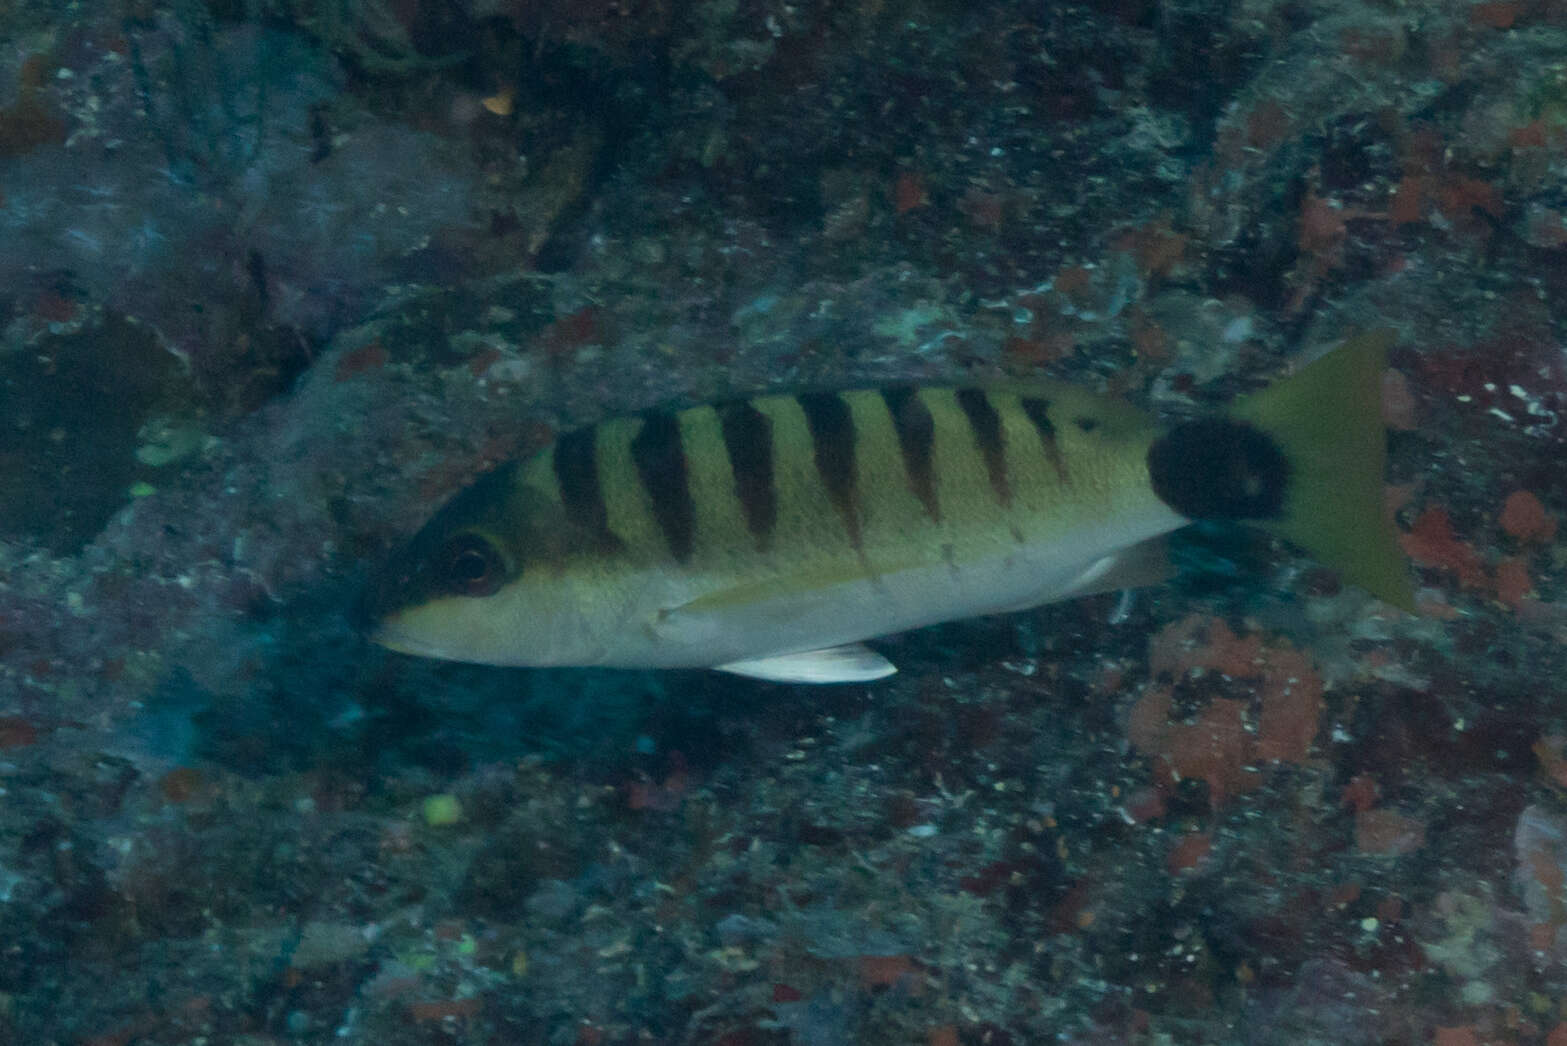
{"x":768,"y":536}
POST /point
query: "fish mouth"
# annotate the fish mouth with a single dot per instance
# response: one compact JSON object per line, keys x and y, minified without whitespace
{"x":387,"y":634}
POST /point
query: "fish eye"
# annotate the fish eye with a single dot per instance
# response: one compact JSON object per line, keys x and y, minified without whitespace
{"x":470,"y":566}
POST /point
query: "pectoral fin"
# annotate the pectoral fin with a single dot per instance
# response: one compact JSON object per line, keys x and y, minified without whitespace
{"x":851,"y":663}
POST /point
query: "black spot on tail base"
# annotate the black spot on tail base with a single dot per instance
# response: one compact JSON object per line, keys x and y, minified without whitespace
{"x":1217,"y":469}
{"x":660,"y":458}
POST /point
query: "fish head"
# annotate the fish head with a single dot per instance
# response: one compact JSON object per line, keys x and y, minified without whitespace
{"x":480,"y":582}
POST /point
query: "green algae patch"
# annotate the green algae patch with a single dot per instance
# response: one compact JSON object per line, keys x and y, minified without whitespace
{"x":442,"y":810}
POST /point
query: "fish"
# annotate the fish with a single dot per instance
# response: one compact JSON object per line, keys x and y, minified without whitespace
{"x":771,"y":536}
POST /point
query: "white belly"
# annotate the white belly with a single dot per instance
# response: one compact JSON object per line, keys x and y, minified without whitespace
{"x":705,"y":632}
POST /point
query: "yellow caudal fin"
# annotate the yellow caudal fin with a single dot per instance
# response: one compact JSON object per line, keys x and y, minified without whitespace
{"x":1327,"y":421}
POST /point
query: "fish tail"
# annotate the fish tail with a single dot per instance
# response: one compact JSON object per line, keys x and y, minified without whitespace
{"x":1302,"y":459}
{"x":1326,"y":421}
